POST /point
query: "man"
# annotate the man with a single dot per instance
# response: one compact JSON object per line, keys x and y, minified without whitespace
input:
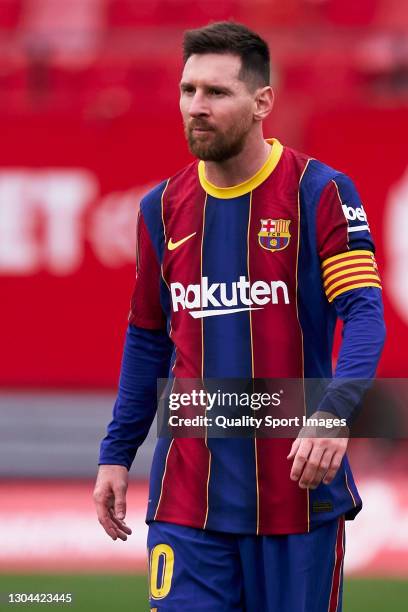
{"x":244,"y":260}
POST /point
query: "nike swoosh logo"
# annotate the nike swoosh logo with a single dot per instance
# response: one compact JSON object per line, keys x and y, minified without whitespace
{"x":174,"y":245}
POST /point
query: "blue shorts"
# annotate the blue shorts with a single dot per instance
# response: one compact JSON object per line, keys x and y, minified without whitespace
{"x":209,"y":571}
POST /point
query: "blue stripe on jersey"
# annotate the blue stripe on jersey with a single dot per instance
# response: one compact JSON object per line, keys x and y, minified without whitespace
{"x":165,"y":301}
{"x":156,"y":476}
{"x":340,"y":495}
{"x":227,"y":354}
{"x":227,"y":338}
{"x":150,"y":207}
{"x":317,"y":317}
{"x":358,"y":236}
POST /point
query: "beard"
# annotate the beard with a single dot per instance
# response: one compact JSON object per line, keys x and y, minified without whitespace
{"x":214,"y":145}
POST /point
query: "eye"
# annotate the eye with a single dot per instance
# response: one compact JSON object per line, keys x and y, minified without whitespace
{"x":187,"y":89}
{"x":216,"y":92}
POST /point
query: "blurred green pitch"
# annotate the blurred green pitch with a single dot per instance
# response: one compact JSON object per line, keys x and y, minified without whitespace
{"x":103,"y":593}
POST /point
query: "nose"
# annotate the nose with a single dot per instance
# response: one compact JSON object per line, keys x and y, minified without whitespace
{"x":198,"y":106}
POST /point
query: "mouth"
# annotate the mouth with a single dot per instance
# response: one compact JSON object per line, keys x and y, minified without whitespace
{"x":201,"y":130}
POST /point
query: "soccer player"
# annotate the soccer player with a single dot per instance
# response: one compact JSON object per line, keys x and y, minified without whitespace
{"x":245,"y":258}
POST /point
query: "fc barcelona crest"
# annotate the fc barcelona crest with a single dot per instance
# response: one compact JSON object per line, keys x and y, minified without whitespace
{"x":274,"y":234}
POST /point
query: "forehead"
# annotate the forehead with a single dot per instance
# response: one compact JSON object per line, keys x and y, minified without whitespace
{"x":215,"y":68}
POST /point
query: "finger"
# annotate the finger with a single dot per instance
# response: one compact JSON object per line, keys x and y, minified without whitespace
{"x":119,"y":523}
{"x":108,"y":525}
{"x":294,"y":448}
{"x":301,"y":457}
{"x":121,"y":526}
{"x":334,"y":466}
{"x":112,"y":529}
{"x":120,"y":502}
{"x":104,"y":498}
{"x":312,"y":465}
{"x":322,"y":469}
{"x":103,"y":503}
{"x":121,"y":534}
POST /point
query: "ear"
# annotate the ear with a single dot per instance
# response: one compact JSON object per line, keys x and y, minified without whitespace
{"x":264,"y":99}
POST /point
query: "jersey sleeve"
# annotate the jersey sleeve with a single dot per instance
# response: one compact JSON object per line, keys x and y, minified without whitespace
{"x":363,"y":338}
{"x":351,"y":282}
{"x":145,"y":308}
{"x":146,"y":357}
{"x":346,"y":248}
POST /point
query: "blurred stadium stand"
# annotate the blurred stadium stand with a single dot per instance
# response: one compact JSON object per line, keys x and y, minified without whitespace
{"x":57,"y":435}
{"x":56,"y":54}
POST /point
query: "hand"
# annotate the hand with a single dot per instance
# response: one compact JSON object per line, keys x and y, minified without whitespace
{"x":110,"y":500}
{"x":317,"y":459}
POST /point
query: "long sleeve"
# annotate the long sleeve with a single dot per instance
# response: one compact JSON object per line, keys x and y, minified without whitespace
{"x":361,"y":311}
{"x":146,"y":358}
{"x":353,"y":286}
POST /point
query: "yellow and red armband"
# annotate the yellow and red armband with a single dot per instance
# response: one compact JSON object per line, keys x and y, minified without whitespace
{"x":350,"y":270}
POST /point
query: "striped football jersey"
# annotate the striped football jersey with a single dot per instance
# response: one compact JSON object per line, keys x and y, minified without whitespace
{"x":244,"y":279}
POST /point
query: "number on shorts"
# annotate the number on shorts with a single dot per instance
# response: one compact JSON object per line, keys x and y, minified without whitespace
{"x":160,"y":585}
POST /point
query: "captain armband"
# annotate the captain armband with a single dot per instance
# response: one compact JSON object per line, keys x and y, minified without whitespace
{"x":350,"y":270}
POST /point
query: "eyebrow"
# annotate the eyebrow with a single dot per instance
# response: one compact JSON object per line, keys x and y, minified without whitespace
{"x":224,"y":88}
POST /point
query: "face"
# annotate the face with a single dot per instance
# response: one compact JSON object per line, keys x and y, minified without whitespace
{"x":217,"y":107}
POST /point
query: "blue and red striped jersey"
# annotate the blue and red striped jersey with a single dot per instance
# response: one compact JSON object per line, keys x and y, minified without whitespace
{"x":245,"y":280}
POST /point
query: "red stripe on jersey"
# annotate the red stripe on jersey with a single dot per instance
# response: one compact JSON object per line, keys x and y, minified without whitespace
{"x":184,"y":487}
{"x":331,"y":224}
{"x":277,"y":345}
{"x":338,"y":565}
{"x":145,"y":307}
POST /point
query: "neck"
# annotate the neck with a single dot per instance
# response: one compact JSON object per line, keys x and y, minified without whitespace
{"x":241,"y":167}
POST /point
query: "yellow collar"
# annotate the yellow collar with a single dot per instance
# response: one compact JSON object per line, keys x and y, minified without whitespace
{"x":248,"y":185}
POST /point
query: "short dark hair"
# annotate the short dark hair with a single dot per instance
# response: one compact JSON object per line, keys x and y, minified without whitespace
{"x":237,"y":39}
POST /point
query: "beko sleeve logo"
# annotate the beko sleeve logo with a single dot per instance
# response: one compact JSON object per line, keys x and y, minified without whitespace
{"x":356,"y":215}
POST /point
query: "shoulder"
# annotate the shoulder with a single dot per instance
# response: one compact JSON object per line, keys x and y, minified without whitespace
{"x":315,"y":175}
{"x":152,"y":200}
{"x":314,"y":172}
